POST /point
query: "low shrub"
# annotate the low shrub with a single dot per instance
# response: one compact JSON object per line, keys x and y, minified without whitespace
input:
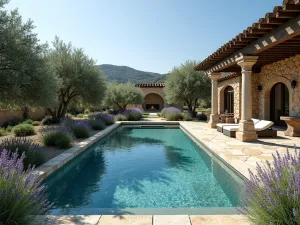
{"x":97,"y":124}
{"x":80,"y":115}
{"x":49,"y":120}
{"x":23,"y":130}
{"x":120,"y":117}
{"x":272,"y":195}
{"x":3,"y":132}
{"x":36,"y":123}
{"x":174,"y":116}
{"x":170,"y":110}
{"x":87,"y":111}
{"x":58,"y":136}
{"x":28,"y":121}
{"x":80,"y":131}
{"x":9,"y":129}
{"x":187,"y":117}
{"x":133,"y":114}
{"x":201,"y":117}
{"x":22,"y":195}
{"x":34,"y":153}
{"x":107,"y":118}
{"x":80,"y":128}
{"x":12,"y":122}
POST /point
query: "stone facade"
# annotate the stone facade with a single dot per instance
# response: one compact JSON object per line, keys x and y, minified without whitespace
{"x":282,"y":71}
{"x":152,"y":95}
{"x":235,"y":84}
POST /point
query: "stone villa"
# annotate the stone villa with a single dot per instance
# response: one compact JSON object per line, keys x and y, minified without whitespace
{"x":153,"y":96}
{"x":257,"y":73}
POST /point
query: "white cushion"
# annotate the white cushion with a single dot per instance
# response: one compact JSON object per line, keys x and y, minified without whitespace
{"x":263,"y":125}
{"x":231,"y":128}
{"x":255,"y":121}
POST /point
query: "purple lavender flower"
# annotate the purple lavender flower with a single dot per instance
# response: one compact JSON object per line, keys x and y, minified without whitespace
{"x":272,"y":195}
{"x":17,"y":190}
{"x":132,"y":114}
{"x":107,"y":118}
{"x":170,"y":110}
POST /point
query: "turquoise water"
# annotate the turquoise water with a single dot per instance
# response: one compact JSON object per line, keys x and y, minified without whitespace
{"x":142,"y":168}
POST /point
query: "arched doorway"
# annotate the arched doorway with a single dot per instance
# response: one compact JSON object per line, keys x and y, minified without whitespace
{"x":229,"y":100}
{"x":153,"y":102}
{"x":279,"y":103}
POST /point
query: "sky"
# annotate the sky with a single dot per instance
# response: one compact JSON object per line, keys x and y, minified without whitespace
{"x":149,"y":35}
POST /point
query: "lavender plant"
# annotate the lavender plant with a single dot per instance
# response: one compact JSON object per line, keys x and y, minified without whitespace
{"x":21,"y":195}
{"x":80,"y":128}
{"x":272,"y":196}
{"x":107,"y":118}
{"x":58,"y":136}
{"x":170,"y":110}
{"x":97,"y":124}
{"x":133,"y":114}
{"x":34,"y":153}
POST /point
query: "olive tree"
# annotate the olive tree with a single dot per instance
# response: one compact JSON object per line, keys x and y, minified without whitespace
{"x":24,"y":77}
{"x":185,"y":85}
{"x":78,"y":75}
{"x":118,"y":96}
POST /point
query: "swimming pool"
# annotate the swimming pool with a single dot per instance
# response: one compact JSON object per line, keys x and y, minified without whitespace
{"x":143,"y":168}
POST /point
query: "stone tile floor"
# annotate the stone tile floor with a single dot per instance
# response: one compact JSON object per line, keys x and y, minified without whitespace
{"x":240,"y":155}
{"x":142,"y":220}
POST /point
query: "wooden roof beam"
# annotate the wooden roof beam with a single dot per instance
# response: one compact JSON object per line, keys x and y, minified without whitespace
{"x":291,"y":8}
{"x":279,"y":35}
{"x":286,"y":15}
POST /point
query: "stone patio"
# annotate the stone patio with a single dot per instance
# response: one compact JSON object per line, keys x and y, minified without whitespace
{"x":142,"y":220}
{"x":240,"y":155}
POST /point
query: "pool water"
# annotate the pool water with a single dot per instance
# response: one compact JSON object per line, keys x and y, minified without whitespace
{"x":142,"y":168}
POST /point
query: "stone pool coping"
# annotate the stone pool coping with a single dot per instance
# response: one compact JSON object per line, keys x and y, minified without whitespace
{"x":57,"y":162}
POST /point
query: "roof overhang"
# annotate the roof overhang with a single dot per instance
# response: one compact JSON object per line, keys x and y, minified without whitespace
{"x":273,"y":38}
{"x":160,"y":85}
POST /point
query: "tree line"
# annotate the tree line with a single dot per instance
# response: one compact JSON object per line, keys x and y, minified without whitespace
{"x":52,"y":76}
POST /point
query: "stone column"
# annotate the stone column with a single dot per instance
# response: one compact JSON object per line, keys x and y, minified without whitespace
{"x":246,"y":130}
{"x":214,"y":117}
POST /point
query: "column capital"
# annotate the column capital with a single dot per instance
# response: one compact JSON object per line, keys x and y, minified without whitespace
{"x":214,"y":75}
{"x":246,"y":62}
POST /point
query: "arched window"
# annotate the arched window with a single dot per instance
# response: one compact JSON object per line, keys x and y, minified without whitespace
{"x":228,"y":99}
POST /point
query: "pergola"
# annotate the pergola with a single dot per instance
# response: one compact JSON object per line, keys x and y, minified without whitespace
{"x":271,"y":39}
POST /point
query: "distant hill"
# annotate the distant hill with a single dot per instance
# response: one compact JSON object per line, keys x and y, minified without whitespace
{"x":123,"y":74}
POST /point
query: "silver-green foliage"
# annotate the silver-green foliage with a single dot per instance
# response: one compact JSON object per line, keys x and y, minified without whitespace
{"x":79,"y":77}
{"x":185,"y":85}
{"x":118,"y":96}
{"x":25,"y":78}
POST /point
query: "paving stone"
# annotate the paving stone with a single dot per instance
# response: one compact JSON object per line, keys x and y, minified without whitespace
{"x":125,"y":220}
{"x":67,"y":220}
{"x":219,"y":219}
{"x":171,"y":220}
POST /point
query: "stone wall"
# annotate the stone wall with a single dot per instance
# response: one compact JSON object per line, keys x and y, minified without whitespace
{"x":235,"y":84}
{"x":283,"y":71}
{"x":6,"y":115}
